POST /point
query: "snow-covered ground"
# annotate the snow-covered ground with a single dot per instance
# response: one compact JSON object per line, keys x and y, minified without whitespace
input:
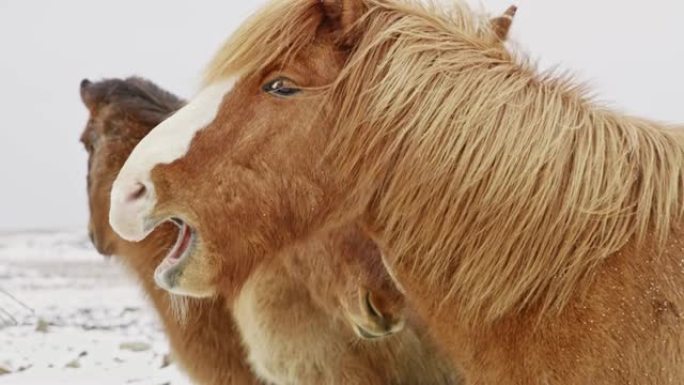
{"x":68,"y":316}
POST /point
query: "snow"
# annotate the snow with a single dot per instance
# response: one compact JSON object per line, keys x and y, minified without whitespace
{"x":70,"y":316}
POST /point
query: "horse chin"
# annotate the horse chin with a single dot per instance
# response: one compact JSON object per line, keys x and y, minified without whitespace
{"x":169,"y":272}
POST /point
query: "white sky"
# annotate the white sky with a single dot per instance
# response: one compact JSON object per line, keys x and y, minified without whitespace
{"x":632,"y":56}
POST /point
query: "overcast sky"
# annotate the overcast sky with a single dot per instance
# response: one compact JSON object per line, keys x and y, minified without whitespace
{"x":631,"y":55}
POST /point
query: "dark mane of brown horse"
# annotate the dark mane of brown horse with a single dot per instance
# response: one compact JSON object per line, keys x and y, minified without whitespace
{"x":139,"y":98}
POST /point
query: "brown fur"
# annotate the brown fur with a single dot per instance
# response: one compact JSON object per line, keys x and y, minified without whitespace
{"x":205,"y":343}
{"x":289,"y":312}
{"x":536,"y":232}
{"x":298,"y":313}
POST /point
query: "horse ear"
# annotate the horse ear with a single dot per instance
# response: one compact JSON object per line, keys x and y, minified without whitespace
{"x":501,"y":25}
{"x":88,"y":94}
{"x":342,"y":14}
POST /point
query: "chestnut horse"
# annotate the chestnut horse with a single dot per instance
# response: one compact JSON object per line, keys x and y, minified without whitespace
{"x":537,"y":233}
{"x":122,"y":112}
{"x":297,"y":317}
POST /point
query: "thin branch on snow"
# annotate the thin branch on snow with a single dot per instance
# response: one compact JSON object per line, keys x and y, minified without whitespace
{"x":7,"y":318}
{"x":17,"y":301}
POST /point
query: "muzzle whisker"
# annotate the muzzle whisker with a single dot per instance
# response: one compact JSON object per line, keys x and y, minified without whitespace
{"x":179,"y":308}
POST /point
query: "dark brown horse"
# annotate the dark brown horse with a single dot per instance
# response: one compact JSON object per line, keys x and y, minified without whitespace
{"x":122,"y":112}
{"x":298,"y":317}
{"x":536,"y":232}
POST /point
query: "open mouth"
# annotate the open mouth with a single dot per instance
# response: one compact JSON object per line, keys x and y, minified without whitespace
{"x":171,"y":267}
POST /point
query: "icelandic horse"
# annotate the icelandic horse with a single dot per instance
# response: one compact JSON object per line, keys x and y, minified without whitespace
{"x":201,"y":333}
{"x":297,"y":318}
{"x":537,"y":233}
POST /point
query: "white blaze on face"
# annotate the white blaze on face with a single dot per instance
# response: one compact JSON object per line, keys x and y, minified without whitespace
{"x":133,"y":196}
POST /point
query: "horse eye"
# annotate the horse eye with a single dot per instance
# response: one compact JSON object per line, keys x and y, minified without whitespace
{"x":281,"y":87}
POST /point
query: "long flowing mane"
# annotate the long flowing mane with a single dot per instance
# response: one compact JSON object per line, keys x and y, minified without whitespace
{"x":503,"y":184}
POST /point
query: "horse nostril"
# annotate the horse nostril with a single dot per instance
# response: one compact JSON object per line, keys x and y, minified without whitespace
{"x":139,"y":192}
{"x":372,"y":309}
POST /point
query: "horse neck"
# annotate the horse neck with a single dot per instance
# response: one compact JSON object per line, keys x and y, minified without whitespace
{"x":519,"y":194}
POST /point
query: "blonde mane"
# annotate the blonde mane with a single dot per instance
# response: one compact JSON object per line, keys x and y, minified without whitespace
{"x":507,"y":186}
{"x":270,"y":35}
